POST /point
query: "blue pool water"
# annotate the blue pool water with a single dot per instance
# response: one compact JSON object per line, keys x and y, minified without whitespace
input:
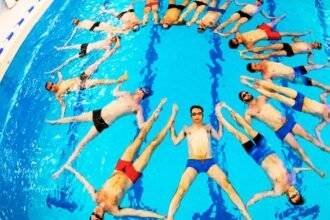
{"x":180,"y":64}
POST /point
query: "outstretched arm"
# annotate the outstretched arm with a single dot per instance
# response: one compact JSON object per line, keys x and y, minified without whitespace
{"x":177,"y":138}
{"x":59,"y":76}
{"x":139,"y":117}
{"x":262,"y":195}
{"x":310,"y":58}
{"x":239,"y":4}
{"x":318,"y":130}
{"x":265,"y":15}
{"x":323,"y":97}
{"x":217,"y":134}
{"x":62,"y":103}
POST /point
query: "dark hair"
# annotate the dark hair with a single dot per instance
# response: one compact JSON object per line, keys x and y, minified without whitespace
{"x":46,"y":85}
{"x":249,"y":68}
{"x":233,"y":44}
{"x":240,"y":95}
{"x":146,"y":92}
{"x":301,"y":201}
{"x":196,"y":106}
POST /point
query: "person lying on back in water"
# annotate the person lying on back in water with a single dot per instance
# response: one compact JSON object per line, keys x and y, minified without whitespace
{"x":201,"y":160}
{"x":109,"y":45}
{"x":264,"y":31}
{"x":127,"y":17}
{"x":274,"y":70}
{"x":283,"y":49}
{"x":296,"y":101}
{"x":173,"y":13}
{"x":241,"y":17}
{"x":213,"y":14}
{"x":63,"y":87}
{"x":151,"y":6}
{"x":124,"y":104}
{"x":284,"y":128}
{"x":127,"y":171}
{"x":256,"y":146}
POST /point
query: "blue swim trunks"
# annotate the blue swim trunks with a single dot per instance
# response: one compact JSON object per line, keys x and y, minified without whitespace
{"x":259,"y":150}
{"x":201,"y":166}
{"x":299,"y":71}
{"x":285,"y":129}
{"x":299,"y":102}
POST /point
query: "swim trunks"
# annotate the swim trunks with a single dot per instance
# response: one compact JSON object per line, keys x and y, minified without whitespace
{"x":299,"y":71}
{"x":199,"y":3}
{"x":271,"y":34}
{"x":98,"y":121}
{"x":152,"y":3}
{"x":201,"y":166}
{"x":215,"y":9}
{"x":121,"y":14}
{"x":128,"y":169}
{"x":259,"y":150}
{"x":243,"y":14}
{"x":299,"y":102}
{"x":180,"y":7}
{"x":83,"y":50}
{"x":286,"y":128}
{"x":96,"y":24}
{"x":288,"y":49}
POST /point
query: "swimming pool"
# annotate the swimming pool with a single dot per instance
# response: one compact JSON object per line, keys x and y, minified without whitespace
{"x":180,"y":64}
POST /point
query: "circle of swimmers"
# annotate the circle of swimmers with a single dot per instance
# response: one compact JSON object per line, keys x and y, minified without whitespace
{"x":129,"y":168}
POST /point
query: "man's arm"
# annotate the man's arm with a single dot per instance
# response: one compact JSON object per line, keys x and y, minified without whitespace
{"x":62,"y":103}
{"x":59,"y":76}
{"x":239,"y":4}
{"x":262,"y":195}
{"x":217,"y":134}
{"x":139,"y":117}
{"x":247,"y":117}
{"x":310,"y":58}
{"x":177,"y":138}
{"x":116,"y":92}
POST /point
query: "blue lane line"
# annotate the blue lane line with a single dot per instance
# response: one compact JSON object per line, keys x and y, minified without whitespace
{"x":20,"y":22}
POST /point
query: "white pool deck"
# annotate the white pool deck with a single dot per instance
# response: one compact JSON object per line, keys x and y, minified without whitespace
{"x":15,"y":24}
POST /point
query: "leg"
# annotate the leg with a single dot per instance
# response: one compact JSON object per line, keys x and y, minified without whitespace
{"x":88,"y":137}
{"x":318,"y":130}
{"x":84,"y":117}
{"x":186,"y":180}
{"x":237,"y":25}
{"x":316,"y":67}
{"x":232,"y":19}
{"x":130,"y":151}
{"x":192,"y":6}
{"x":294,"y":34}
{"x":155,"y":14}
{"x":220,"y":177}
{"x":96,"y":82}
{"x":136,"y":213}
{"x":90,"y":189}
{"x":290,"y":139}
{"x":146,"y":15}
{"x":276,"y":21}
{"x":198,"y":11}
{"x":66,"y":62}
{"x":140,"y":163}
{"x":298,"y":130}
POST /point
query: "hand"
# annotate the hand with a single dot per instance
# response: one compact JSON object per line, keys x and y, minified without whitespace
{"x":123,"y":77}
{"x":219,"y":106}
{"x":163,"y":101}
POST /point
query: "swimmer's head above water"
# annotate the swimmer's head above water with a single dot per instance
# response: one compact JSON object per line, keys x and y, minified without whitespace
{"x":144,"y":92}
{"x":245,"y":96}
{"x":259,"y":2}
{"x":196,"y":113}
{"x":253,"y":67}
{"x":316,"y":45}
{"x":294,"y":196}
{"x":50,"y":86}
{"x":235,"y":42}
